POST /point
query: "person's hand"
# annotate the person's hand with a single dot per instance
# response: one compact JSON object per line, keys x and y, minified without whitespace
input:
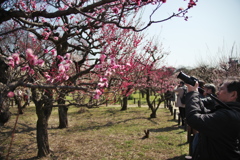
{"x":192,"y":88}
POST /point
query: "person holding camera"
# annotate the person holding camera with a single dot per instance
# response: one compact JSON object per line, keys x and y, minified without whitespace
{"x":208,"y":102}
{"x":219,"y":129}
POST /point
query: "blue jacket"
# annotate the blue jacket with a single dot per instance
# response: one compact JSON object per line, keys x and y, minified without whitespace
{"x":219,"y":130}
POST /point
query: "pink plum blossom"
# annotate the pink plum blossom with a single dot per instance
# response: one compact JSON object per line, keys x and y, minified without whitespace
{"x":25,"y":68}
{"x":60,"y":58}
{"x":97,"y":94}
{"x":69,"y":61}
{"x":61,"y":68}
{"x":108,"y":73}
{"x":67,"y":66}
{"x":102,"y":58}
{"x":16,"y":58}
{"x":40,"y":62}
{"x":115,"y":10}
{"x":45,"y":51}
{"x":29,"y":54}
{"x":31,"y":35}
{"x":103,"y":79}
{"x":31,"y":71}
{"x":98,"y":66}
{"x":128,"y":65}
{"x":65,"y":77}
{"x":54,"y":52}
{"x":10,"y":94}
{"x":67,"y":56}
{"x":101,"y":85}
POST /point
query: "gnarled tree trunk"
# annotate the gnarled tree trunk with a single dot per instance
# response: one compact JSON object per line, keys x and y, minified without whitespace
{"x":42,"y":132}
{"x":62,"y":112}
{"x":43,"y":111}
{"x":5,"y":114}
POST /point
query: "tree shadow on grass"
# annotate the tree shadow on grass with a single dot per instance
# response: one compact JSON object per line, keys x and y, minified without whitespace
{"x":167,"y":129}
{"x":97,"y":125}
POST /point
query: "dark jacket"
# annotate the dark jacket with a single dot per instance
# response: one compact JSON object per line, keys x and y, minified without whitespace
{"x":219,"y":131}
{"x":209,"y":103}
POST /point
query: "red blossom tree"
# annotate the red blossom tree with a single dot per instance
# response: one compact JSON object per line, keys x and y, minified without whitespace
{"x":156,"y":79}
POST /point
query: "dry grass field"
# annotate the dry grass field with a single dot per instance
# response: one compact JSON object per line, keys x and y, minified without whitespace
{"x":104,"y":133}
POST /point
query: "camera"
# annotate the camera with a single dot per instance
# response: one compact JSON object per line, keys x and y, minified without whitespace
{"x":187,"y":79}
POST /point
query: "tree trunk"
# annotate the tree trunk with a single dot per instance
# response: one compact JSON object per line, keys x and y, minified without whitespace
{"x":124,"y":103}
{"x":63,"y":118}
{"x":5,"y":114}
{"x":153,"y":114}
{"x":43,"y":114}
{"x":43,"y":111}
{"x":150,"y":105}
{"x":142,"y":94}
{"x":42,"y":136}
{"x":62,"y":112}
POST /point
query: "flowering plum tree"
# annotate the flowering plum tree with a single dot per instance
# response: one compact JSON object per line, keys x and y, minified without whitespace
{"x":155,"y":80}
{"x":122,"y":64}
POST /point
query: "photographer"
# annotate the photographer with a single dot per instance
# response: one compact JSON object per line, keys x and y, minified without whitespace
{"x":208,"y":102}
{"x":219,"y":130}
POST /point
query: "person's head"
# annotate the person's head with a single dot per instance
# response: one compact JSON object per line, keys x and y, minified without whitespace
{"x":181,"y":83}
{"x":229,"y":91}
{"x":201,"y":83}
{"x":209,"y":89}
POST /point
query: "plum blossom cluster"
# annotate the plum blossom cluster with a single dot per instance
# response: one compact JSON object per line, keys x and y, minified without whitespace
{"x":53,"y":76}
{"x":32,"y":59}
{"x":191,"y":4}
{"x":112,"y":67}
{"x":61,"y":73}
{"x":13,"y":60}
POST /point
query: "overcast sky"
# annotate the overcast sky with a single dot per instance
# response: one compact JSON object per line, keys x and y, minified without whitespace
{"x":211,"y":31}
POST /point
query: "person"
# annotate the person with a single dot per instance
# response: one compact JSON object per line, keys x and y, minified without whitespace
{"x":28,"y":91}
{"x":219,"y":130}
{"x":167,"y":97}
{"x":201,"y":84}
{"x":180,"y":91}
{"x":208,"y":102}
{"x":209,"y":89}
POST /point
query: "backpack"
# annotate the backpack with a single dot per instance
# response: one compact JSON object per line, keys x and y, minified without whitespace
{"x":183,"y":99}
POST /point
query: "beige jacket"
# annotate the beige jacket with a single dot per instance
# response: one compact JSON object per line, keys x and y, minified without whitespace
{"x":179,"y":91}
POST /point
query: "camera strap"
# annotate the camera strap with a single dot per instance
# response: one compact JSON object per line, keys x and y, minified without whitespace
{"x":217,"y":100}
{"x":220,"y":102}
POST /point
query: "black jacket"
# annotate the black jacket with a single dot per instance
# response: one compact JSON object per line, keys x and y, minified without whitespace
{"x":219,"y":131}
{"x":208,"y":103}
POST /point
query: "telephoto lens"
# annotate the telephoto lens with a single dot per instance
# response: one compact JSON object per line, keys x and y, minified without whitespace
{"x":187,"y":79}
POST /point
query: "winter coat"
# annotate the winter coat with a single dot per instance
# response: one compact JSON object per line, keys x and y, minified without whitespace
{"x":179,"y":91}
{"x":219,"y":131}
{"x":209,"y":103}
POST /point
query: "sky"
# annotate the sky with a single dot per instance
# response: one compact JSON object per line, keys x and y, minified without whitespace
{"x":211,"y":31}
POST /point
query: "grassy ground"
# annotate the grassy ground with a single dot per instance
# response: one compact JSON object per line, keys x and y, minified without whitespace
{"x":104,"y":133}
